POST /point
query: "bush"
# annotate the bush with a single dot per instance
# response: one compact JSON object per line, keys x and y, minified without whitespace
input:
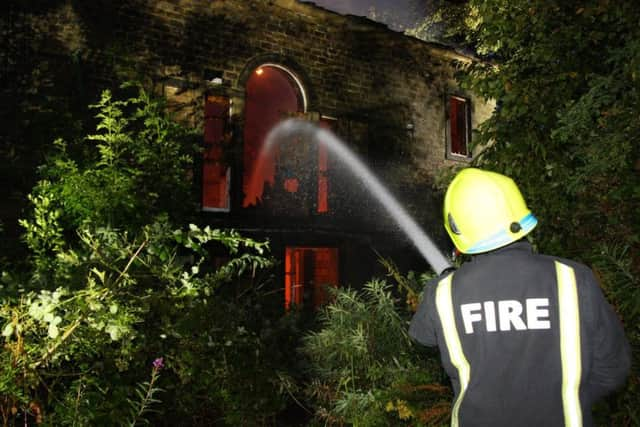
{"x":120,"y":309}
{"x":365,"y":369}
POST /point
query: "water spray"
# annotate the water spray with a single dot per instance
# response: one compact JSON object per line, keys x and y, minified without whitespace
{"x":300,"y":128}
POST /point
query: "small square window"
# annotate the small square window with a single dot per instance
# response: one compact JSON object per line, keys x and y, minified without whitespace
{"x":458,"y":128}
{"x":308,"y":273}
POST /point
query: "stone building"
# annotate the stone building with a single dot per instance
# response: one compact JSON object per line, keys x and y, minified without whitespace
{"x":234,"y":68}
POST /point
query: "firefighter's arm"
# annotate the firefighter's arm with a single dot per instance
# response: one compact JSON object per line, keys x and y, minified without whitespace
{"x":423,"y":326}
{"x":611,"y":352}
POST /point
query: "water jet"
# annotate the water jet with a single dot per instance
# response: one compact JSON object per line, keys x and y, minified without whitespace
{"x":297,"y":128}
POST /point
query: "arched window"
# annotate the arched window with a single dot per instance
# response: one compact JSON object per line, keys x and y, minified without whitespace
{"x":272,"y":94}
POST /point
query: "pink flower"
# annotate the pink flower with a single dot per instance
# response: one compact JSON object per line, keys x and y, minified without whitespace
{"x":158,"y":363}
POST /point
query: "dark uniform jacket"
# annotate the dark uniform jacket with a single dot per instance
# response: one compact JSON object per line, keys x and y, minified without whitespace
{"x":527,"y":339}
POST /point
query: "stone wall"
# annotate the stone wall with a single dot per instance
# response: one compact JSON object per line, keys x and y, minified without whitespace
{"x":384,"y":88}
{"x":387,"y":92}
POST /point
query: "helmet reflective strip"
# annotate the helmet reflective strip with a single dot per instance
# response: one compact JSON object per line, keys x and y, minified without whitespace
{"x":569,"y":344}
{"x":444,"y":305}
{"x":502,"y":237}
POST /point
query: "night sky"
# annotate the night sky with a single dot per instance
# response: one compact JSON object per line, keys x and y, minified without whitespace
{"x":397,"y":14}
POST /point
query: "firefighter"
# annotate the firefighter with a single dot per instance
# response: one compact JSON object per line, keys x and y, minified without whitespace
{"x":526,"y":339}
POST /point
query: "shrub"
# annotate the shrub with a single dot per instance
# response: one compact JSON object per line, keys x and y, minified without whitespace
{"x":365,"y":369}
{"x":113,"y":285}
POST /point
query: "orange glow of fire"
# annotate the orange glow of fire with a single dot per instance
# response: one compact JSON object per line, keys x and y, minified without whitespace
{"x":308,"y":271}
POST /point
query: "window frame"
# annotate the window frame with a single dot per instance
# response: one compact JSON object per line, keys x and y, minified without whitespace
{"x":225,"y":129}
{"x":294,"y":292}
{"x":301,"y":93}
{"x":323,"y":205}
{"x":449,"y":154}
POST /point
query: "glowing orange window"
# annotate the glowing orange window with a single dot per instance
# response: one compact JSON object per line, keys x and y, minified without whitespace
{"x":459,"y":126}
{"x":215,"y":172}
{"x":271,"y":95}
{"x":274,"y":94}
{"x":323,"y":170}
{"x":308,"y":273}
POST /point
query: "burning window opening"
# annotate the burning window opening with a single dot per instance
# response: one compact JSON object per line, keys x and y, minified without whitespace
{"x":216,"y":174}
{"x":323,"y":168}
{"x":271,"y":93}
{"x":308,"y":273}
{"x":459,"y":126}
{"x":293,"y":174}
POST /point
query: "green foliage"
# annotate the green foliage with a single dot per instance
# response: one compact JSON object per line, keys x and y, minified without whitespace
{"x":43,"y":233}
{"x":136,"y":165}
{"x":621,"y":283}
{"x":112,"y":281}
{"x":565,"y":78}
{"x":146,"y":392}
{"x":366,"y":371}
{"x":234,"y":366}
{"x":411,"y":285}
{"x":122,"y":292}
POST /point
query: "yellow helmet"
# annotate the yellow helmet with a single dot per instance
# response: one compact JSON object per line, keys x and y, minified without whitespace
{"x":484,"y":211}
